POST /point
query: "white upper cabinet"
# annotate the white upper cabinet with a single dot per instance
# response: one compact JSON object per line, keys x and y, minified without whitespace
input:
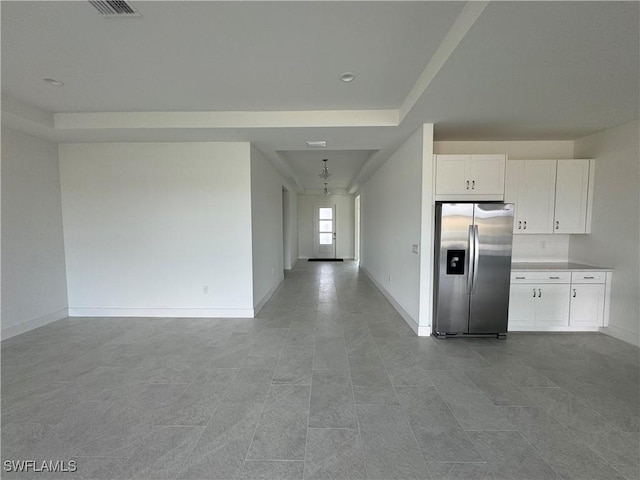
{"x":487,"y":174}
{"x":531,"y":186}
{"x":551,"y":196}
{"x":468,"y":176}
{"x":572,"y":189}
{"x":451,"y":174}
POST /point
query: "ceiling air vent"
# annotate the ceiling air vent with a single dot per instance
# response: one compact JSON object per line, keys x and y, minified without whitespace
{"x":115,"y":8}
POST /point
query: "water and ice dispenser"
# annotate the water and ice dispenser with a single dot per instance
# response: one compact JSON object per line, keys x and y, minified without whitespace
{"x":455,"y":262}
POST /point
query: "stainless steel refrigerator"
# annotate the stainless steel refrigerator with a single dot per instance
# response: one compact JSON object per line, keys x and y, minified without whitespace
{"x":472,"y":268}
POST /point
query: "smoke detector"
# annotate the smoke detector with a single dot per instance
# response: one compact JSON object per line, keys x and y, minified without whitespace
{"x":113,"y":9}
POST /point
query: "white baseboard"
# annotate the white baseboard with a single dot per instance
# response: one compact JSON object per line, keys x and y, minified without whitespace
{"x":621,"y":334}
{"x":424,"y":331}
{"x":266,"y":298}
{"x":421,"y":331}
{"x":162,"y":312}
{"x":553,"y":329}
{"x":34,"y":323}
{"x":292,"y":265}
{"x":307,"y":258}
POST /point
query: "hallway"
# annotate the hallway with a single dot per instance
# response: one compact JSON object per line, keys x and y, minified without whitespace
{"x":327,"y":383}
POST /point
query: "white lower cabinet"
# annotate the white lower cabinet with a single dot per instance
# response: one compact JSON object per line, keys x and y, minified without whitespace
{"x":521,"y":305}
{"x":538,"y":305}
{"x":552,"y":306}
{"x":561,"y":301}
{"x":588,"y":293}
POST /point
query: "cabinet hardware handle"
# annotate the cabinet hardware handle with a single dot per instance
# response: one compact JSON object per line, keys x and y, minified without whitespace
{"x":554,"y":278}
{"x":520,"y":225}
{"x":525,"y":224}
{"x":539,"y":293}
{"x":534,"y":293}
{"x":589,"y":278}
{"x":467,"y":184}
{"x":574,"y":293}
{"x":557,"y":224}
{"x":473,"y":185}
{"x":520,"y":278}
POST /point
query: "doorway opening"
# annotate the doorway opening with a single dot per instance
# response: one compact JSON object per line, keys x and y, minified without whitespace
{"x":325,"y":231}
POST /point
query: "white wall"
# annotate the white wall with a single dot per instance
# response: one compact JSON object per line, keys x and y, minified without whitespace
{"x":515,"y":150}
{"x":267,"y":229}
{"x":148,"y":225}
{"x":427,"y":233}
{"x":34,"y":288}
{"x":290,"y":227}
{"x":615,"y":237}
{"x":392,"y":221}
{"x":345,"y":223}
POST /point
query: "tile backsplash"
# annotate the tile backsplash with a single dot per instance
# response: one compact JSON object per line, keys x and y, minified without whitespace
{"x":540,"y":248}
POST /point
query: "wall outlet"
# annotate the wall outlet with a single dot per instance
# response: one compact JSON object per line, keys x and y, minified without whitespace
{"x":205,"y":289}
{"x":415,"y":248}
{"x":543,"y":244}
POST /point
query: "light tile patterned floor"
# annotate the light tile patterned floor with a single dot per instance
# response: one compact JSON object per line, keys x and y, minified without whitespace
{"x":328,"y":383}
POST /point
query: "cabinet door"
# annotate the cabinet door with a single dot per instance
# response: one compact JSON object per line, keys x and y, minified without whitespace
{"x":587,"y":305}
{"x":451,"y":174}
{"x":552,"y":305}
{"x":536,"y":197}
{"x":486,"y":173}
{"x":512,"y":181}
{"x":521,"y":306}
{"x":511,"y":188}
{"x":572,"y":186}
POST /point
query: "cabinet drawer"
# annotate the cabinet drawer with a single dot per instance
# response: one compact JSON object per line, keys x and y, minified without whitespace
{"x":540,"y":277}
{"x":588,"y":277}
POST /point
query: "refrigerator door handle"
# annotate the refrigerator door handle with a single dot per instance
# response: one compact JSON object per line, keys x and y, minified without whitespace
{"x":472,"y":254}
{"x":476,"y":256}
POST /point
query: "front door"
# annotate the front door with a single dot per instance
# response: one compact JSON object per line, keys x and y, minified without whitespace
{"x":325,"y":231}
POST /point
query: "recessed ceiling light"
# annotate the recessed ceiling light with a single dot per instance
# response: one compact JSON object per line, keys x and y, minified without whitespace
{"x":53,"y":81}
{"x":317,"y":143}
{"x":347,"y":77}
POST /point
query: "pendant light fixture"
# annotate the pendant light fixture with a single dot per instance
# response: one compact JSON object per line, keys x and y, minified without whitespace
{"x":326,"y":190}
{"x":325,"y":170}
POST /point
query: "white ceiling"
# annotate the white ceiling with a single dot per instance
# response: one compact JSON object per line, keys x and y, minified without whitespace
{"x":343,"y":166}
{"x":539,"y":70}
{"x":183,"y":56}
{"x":510,"y":71}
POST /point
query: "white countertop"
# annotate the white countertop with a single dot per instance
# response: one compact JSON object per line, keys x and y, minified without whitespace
{"x":553,"y":266}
